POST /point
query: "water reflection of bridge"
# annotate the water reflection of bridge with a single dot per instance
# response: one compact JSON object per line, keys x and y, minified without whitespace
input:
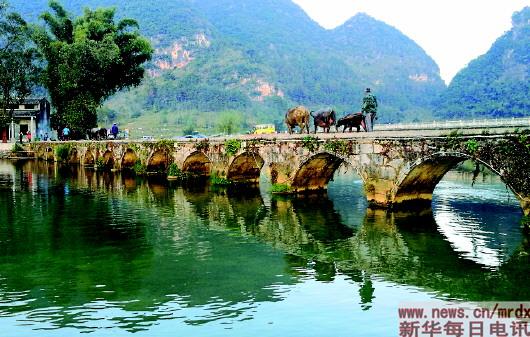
{"x":151,"y":262}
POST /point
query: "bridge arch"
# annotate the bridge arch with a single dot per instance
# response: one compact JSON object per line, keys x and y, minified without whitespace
{"x":158,"y":161}
{"x":129,"y":159}
{"x":316,"y":172}
{"x":89,"y":159}
{"x":417,"y":184}
{"x":73,"y":156}
{"x":197,"y":164}
{"x":108,"y":159}
{"x":246,"y":168}
{"x":48,"y":154}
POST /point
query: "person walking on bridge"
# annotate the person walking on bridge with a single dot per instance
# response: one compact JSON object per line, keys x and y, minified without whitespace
{"x":369,"y":109}
{"x":114,"y":131}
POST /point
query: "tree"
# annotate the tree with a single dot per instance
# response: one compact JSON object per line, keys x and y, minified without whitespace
{"x":229,"y":122}
{"x":19,"y":70}
{"x":89,"y":58}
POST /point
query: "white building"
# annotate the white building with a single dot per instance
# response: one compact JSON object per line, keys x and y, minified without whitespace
{"x":32,"y":114}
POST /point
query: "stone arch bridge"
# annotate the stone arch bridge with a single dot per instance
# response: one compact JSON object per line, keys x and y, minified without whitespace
{"x":397,"y":171}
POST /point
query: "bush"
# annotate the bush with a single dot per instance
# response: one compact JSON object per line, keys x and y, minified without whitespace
{"x":173,"y":170}
{"x":280,"y":188}
{"x":232,"y":146}
{"x":310,"y":143}
{"x":17,"y":147}
{"x":100,"y":163}
{"x":218,"y":181}
{"x":139,"y":168}
{"x":472,"y":146}
{"x":62,"y":152}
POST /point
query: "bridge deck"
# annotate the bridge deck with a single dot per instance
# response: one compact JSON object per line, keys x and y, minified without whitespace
{"x":381,"y":134}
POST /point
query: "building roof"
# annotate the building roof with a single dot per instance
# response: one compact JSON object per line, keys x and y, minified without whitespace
{"x":20,"y":113}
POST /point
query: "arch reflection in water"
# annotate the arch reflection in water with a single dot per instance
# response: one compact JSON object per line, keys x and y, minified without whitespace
{"x":144,"y":251}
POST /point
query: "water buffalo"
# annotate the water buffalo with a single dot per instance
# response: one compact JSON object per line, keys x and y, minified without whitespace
{"x":97,"y":133}
{"x":324,"y":118}
{"x":354,"y":119}
{"x":297,"y":116}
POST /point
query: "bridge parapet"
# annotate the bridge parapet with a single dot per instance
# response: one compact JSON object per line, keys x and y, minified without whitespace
{"x":396,"y":171}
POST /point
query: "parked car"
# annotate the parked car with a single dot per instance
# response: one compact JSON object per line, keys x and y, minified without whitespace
{"x":148,"y":138}
{"x":261,"y":129}
{"x":192,"y":136}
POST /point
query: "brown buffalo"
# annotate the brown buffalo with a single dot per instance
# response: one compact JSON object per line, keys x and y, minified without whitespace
{"x":351,"y":120}
{"x":297,"y":116}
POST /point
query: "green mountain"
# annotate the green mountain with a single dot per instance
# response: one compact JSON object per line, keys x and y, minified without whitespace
{"x":248,"y":61}
{"x":496,"y":84}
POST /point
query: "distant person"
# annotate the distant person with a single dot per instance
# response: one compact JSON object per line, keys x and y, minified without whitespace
{"x":20,"y":135}
{"x":66,"y":133}
{"x":28,"y":136}
{"x":45,"y":136}
{"x":369,"y":109}
{"x":114,"y":131}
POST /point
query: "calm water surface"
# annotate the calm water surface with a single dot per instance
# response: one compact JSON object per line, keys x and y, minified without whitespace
{"x":110,"y":255}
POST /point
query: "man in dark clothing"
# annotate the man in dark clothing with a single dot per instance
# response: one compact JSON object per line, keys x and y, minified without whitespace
{"x":114,"y":131}
{"x":369,"y":109}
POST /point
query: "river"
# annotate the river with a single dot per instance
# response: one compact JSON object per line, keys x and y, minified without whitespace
{"x":111,"y":255}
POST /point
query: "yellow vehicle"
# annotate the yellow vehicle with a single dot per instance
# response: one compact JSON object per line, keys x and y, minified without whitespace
{"x":261,"y":129}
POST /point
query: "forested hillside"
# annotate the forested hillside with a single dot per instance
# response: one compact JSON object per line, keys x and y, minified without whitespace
{"x":497,"y":84}
{"x":245,"y":61}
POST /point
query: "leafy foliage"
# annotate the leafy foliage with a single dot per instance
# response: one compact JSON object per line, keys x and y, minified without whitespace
{"x":89,"y":58}
{"x":215,"y":180}
{"x":280,"y":188}
{"x":310,"y":143}
{"x":19,"y":68}
{"x":232,"y":146}
{"x":173,"y":170}
{"x":17,"y":147}
{"x":472,"y":146}
{"x":139,"y":168}
{"x":100,"y":163}
{"x":202,"y":145}
{"x":338,"y":146}
{"x":62,"y":152}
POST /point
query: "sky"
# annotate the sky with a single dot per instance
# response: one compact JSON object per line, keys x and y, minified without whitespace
{"x":452,"y":32}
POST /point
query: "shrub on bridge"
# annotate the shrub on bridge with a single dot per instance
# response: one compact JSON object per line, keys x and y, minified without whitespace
{"x":310,"y":143}
{"x":62,"y":152}
{"x":472,"y":146}
{"x":338,"y":146}
{"x":232,"y":146}
{"x":202,"y":145}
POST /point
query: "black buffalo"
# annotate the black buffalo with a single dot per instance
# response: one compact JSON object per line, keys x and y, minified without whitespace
{"x":324,"y":118}
{"x":97,"y":133}
{"x":351,"y":120}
